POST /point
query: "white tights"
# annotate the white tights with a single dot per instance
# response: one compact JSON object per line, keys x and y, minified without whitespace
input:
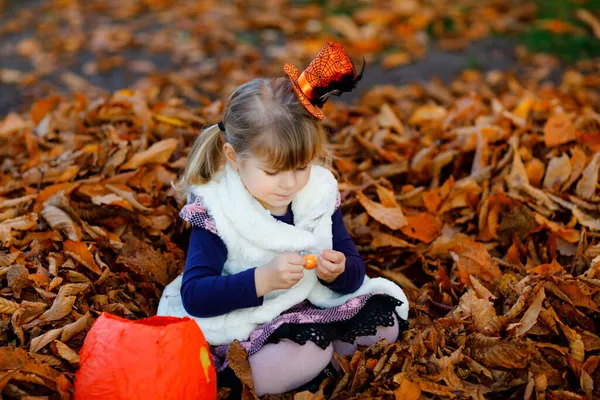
{"x":283,"y":366}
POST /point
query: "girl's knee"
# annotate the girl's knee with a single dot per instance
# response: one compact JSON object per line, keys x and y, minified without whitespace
{"x":279,"y":368}
{"x":389,"y":333}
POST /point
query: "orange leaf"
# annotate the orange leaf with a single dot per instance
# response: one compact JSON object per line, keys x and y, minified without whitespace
{"x":80,"y":252}
{"x":51,"y":191}
{"x":547,"y":269}
{"x":535,"y":172}
{"x":424,"y":227}
{"x":522,"y":110}
{"x":392,"y":217}
{"x":432,"y":200}
{"x":158,"y":153}
{"x":578,"y":298}
{"x":41,"y":107}
{"x":381,"y":239}
{"x":473,"y":259}
{"x":512,"y":255}
{"x":386,"y":196}
{"x":558,"y":130}
{"x":408,"y":390}
{"x":169,"y":120}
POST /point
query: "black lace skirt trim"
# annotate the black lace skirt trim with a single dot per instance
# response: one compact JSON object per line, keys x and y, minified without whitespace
{"x":378,"y":311}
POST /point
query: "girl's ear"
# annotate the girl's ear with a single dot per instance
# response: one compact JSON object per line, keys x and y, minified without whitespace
{"x":230,"y":155}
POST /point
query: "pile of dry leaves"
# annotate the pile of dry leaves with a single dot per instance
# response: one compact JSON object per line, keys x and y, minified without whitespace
{"x":72,"y":44}
{"x":480,"y":198}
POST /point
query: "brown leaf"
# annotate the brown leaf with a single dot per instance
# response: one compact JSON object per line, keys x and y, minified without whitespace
{"x":436,"y":389}
{"x":18,"y":278}
{"x":407,"y":389}
{"x":424,"y":227}
{"x":7,"y":258}
{"x":481,"y":311}
{"x":578,"y":160}
{"x":557,"y":173}
{"x":7,"y":306}
{"x":79,"y":251}
{"x":577,"y":297}
{"x":535,"y":172}
{"x":17,"y":359}
{"x":576,"y":345}
{"x":499,"y":353}
{"x":591,"y":364}
{"x":74,"y":328}
{"x":40,"y":108}
{"x":158,"y":153}
{"x":553,"y":268}
{"x":473,"y":259}
{"x":428,"y":113}
{"x":13,"y":123}
{"x":386,"y":196}
{"x":113,"y":200}
{"x":569,"y":234}
{"x":140,"y":256}
{"x":381,"y":239}
{"x":66,"y":352}
{"x":61,"y":307}
{"x":481,"y":290}
{"x":58,"y":219}
{"x":586,"y":187}
{"x":586,"y":219}
{"x":130,"y":197}
{"x":39,"y":342}
{"x":531,"y":315}
{"x":392,"y":217}
{"x":22,"y":223}
{"x":50,"y":191}
{"x":565,"y":395}
{"x":237,"y":359}
{"x":306,"y":395}
{"x":387,"y":118}
{"x":559,"y":129}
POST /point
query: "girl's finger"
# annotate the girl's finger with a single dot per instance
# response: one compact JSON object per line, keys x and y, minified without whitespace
{"x":295,"y":268}
{"x":325,"y":276}
{"x":297,"y":275}
{"x":329,"y":266}
{"x":335,"y":257}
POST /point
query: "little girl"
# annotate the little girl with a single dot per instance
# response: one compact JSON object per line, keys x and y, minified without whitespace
{"x":260,"y":197}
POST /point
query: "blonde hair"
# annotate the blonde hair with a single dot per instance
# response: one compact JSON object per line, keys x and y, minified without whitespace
{"x":263,"y":118}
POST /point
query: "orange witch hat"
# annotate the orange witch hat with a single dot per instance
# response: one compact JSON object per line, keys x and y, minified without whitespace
{"x":330,"y":74}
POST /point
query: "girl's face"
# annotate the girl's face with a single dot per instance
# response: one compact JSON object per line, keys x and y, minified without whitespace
{"x":275,"y":190}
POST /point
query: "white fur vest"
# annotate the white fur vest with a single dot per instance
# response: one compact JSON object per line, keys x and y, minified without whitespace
{"x":253,"y":237}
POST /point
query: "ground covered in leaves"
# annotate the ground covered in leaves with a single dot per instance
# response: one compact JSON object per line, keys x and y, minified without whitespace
{"x":98,"y":46}
{"x":481,"y":199}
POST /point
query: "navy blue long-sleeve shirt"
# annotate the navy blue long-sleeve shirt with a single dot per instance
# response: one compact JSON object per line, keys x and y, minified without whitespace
{"x":206,"y":293}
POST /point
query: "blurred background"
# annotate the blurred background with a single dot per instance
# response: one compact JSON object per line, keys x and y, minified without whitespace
{"x":201,"y":49}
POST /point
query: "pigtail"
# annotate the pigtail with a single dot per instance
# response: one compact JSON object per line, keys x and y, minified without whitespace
{"x":204,"y":159}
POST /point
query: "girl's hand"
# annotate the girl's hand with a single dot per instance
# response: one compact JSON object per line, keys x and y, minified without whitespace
{"x":282,"y":272}
{"x":330,"y":265}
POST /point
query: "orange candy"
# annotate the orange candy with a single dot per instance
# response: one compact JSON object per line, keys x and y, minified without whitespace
{"x":311,"y":261}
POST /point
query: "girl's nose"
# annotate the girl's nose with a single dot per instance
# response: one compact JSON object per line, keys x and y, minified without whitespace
{"x":288,"y":180}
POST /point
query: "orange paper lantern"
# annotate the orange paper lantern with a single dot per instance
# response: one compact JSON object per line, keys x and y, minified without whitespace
{"x":154,"y":358}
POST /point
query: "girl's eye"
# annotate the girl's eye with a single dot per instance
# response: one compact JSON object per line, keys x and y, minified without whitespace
{"x":303,"y":168}
{"x":271,"y":173}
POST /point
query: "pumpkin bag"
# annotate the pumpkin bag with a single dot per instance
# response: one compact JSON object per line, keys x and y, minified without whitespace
{"x":153,"y":358}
